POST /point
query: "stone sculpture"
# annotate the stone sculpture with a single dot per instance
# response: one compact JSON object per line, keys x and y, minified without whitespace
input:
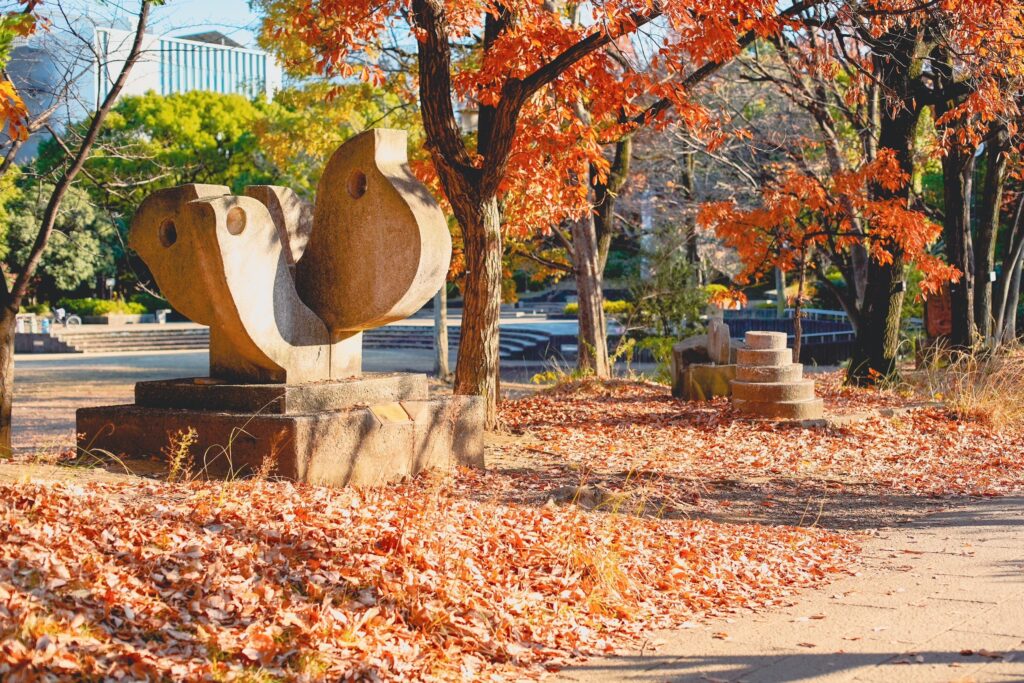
{"x":287,"y":290}
{"x":703,"y":366}
{"x":769,"y":384}
{"x":719,"y":342}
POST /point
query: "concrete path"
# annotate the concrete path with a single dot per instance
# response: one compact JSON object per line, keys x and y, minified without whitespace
{"x":941,"y":599}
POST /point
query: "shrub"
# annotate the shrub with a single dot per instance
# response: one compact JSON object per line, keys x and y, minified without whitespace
{"x":661,"y":349}
{"x":610,"y":308}
{"x":38,"y":309}
{"x":97,"y":307}
{"x":151,"y":302}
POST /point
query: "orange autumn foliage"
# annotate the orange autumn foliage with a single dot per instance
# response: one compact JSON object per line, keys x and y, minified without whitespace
{"x":543,"y":179}
{"x":800,"y":214}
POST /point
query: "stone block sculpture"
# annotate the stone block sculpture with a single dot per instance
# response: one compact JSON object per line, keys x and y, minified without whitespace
{"x":704,"y":366}
{"x":287,"y":289}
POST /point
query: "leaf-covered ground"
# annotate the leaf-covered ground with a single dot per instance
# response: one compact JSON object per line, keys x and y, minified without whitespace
{"x":262,"y":580}
{"x":698,"y":459}
{"x":481,"y":575}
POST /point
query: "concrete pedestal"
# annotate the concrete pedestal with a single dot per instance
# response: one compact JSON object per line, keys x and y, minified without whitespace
{"x":704,"y":381}
{"x":362,"y":431}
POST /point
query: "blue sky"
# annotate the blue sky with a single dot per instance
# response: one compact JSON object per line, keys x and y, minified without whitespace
{"x":231,"y":17}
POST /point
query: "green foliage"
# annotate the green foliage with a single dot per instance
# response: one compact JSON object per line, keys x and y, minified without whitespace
{"x":303,"y":127}
{"x":14,"y":24}
{"x":666,"y":303}
{"x":38,"y":309}
{"x":621,"y":265}
{"x":153,"y":141}
{"x":150,"y":302}
{"x":79,"y":249}
{"x":661,"y":350}
{"x":95,"y":307}
{"x":614,"y":307}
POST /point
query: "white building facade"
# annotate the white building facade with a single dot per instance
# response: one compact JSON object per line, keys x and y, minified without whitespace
{"x":175,"y":65}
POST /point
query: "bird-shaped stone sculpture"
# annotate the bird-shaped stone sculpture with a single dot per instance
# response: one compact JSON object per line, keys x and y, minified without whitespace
{"x":287,"y":288}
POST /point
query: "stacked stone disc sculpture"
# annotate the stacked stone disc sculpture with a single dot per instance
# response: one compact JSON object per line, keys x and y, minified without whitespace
{"x":769,"y":384}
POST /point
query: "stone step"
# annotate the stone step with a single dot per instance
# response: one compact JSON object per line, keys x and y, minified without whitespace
{"x":766,"y":340}
{"x":793,"y":372}
{"x":777,"y":392}
{"x":764,"y":357}
{"x":812,"y":409}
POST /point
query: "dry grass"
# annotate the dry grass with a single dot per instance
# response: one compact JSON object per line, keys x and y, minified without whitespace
{"x":983,"y":388}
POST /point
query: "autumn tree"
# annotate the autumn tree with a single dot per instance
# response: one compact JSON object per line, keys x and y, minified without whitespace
{"x":810,"y":224}
{"x":530,"y":67}
{"x":17,"y":281}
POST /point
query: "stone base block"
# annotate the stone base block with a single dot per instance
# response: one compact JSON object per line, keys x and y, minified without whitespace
{"x":783,"y":410}
{"x":774,"y":391}
{"x":774,"y":357}
{"x":203,"y":393}
{"x":793,"y":372}
{"x":702,"y":382}
{"x":363,"y":446}
{"x":766,"y":340}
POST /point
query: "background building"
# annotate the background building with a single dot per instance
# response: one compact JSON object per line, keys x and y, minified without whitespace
{"x":71,"y":70}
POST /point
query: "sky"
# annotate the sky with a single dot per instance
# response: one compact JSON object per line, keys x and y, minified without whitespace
{"x":231,"y":17}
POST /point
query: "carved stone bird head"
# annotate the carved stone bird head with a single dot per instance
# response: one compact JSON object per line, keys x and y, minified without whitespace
{"x":286,"y":288}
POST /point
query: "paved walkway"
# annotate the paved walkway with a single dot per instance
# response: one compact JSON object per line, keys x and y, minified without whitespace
{"x":941,"y":599}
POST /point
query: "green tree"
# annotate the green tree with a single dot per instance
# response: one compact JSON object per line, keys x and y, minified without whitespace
{"x":79,"y":250}
{"x":155,"y":141}
{"x":304,"y":126}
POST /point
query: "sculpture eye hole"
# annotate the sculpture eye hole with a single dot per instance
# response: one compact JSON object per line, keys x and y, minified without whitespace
{"x":236,"y":220}
{"x":357,"y":184}
{"x":168,"y":233}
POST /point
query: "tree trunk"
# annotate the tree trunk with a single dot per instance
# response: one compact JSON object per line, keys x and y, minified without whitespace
{"x":441,"y":367}
{"x":957,"y":181}
{"x":477,"y":366}
{"x":896,"y":60}
{"x":687,"y":181}
{"x":780,"y":293}
{"x":7,"y":330}
{"x":605,"y":195}
{"x":798,"y":309}
{"x":878,"y":337}
{"x":1007,"y":295}
{"x":988,"y":228}
{"x":1008,"y":333}
{"x":593,"y":329}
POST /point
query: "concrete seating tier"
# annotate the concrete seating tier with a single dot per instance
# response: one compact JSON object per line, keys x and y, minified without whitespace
{"x":769,"y":384}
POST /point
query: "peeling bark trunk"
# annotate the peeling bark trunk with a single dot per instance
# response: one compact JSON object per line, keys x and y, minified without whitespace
{"x":593,"y":328}
{"x":1007,"y":296}
{"x":1009,"y":329}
